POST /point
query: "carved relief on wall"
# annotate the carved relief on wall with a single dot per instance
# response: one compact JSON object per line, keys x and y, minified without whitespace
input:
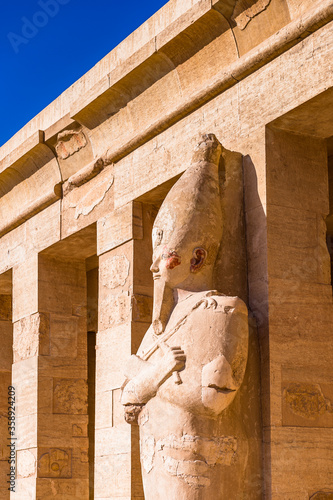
{"x":307,"y":397}
{"x":115,"y":272}
{"x":55,"y":462}
{"x":69,"y":142}
{"x":70,"y":396}
{"x":307,"y":404}
{"x":307,"y":400}
{"x":322,"y":495}
{"x":80,"y":430}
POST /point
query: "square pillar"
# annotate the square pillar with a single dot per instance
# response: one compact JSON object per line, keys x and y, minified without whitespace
{"x":125,"y":307}
{"x":290,"y":294}
{"x":300,"y":316}
{"x":50,"y":378}
{"x":6,"y":340}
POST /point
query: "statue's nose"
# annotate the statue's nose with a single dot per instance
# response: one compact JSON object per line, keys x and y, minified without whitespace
{"x":154,"y":267}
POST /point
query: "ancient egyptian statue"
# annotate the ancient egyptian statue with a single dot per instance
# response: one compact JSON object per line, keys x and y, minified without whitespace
{"x":192,"y":360}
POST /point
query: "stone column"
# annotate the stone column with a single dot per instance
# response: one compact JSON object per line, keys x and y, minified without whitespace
{"x":125,"y":303}
{"x":6,"y":339}
{"x":300,"y":316}
{"x":50,"y":377}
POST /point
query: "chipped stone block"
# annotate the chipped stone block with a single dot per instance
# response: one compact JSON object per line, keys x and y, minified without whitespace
{"x":26,"y":463}
{"x":115,"y":311}
{"x":243,"y":11}
{"x":31,"y":336}
{"x":88,"y":203}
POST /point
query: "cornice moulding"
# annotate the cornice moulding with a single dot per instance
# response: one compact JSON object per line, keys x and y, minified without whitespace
{"x":33,"y":162}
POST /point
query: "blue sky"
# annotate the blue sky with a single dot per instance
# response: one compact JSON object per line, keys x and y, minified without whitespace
{"x":46,"y":45}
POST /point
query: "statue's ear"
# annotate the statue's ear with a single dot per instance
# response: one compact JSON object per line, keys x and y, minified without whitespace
{"x":198,"y":259}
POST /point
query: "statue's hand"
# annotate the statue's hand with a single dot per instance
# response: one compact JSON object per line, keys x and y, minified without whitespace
{"x":131,"y":413}
{"x":141,"y":388}
{"x":174,"y":358}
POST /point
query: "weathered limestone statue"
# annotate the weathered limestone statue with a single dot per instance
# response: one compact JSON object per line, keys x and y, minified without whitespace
{"x":192,"y":360}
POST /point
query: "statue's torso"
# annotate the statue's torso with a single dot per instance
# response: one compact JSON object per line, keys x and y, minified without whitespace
{"x":185,"y":449}
{"x":205,"y":326}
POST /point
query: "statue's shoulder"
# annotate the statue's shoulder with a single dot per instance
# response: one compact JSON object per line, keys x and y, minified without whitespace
{"x":214,"y":300}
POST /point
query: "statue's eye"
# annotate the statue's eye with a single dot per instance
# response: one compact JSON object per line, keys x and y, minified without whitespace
{"x":157,"y":236}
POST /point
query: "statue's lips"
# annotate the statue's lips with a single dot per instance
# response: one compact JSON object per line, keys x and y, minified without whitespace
{"x":156,"y":277}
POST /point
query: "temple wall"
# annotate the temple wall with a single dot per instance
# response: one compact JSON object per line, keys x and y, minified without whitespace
{"x":80,"y":186}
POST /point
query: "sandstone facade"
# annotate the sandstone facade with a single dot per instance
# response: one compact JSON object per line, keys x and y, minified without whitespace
{"x":80,"y":188}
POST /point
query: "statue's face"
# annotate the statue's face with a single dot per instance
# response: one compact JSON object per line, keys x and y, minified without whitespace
{"x":173,"y":266}
{"x":170,"y":265}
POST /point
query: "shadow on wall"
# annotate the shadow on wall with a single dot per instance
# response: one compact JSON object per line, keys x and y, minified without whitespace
{"x":232,"y":278}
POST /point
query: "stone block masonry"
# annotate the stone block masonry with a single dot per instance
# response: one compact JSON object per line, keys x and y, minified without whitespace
{"x":80,"y":187}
